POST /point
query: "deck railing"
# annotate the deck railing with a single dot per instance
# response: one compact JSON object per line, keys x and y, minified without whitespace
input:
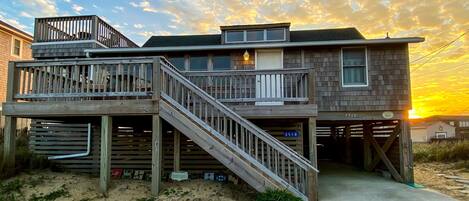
{"x":83,"y":79}
{"x":255,"y":86}
{"x":131,"y":78}
{"x":77,"y":28}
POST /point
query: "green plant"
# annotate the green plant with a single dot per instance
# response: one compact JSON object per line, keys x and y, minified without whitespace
{"x":51,"y":196}
{"x":442,"y":151}
{"x":11,"y":191}
{"x":276,"y":195}
{"x":146,"y":199}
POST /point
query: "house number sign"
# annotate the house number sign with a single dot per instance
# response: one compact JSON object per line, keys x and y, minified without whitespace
{"x":291,"y":134}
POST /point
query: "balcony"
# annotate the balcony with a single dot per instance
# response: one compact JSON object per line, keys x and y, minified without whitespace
{"x":69,"y":36}
{"x":133,"y":82}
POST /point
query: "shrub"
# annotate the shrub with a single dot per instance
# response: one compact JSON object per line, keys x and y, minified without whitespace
{"x":442,"y":151}
{"x":24,"y":158}
{"x":276,"y":195}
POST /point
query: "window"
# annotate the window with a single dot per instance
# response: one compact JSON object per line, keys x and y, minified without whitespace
{"x":179,"y":62}
{"x":198,"y":63}
{"x":354,"y":69}
{"x":440,"y":135}
{"x":275,"y":34}
{"x":260,"y":35}
{"x":16,"y":47}
{"x":221,"y":62}
{"x":255,"y":35}
{"x":464,"y":124}
{"x":235,"y":36}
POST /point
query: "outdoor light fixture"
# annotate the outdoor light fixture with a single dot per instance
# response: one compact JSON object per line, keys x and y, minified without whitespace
{"x":246,"y":55}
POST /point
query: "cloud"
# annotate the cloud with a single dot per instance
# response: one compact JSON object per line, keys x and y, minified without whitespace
{"x":12,"y":22}
{"x":77,"y":8}
{"x":26,"y":15}
{"x":150,"y":33}
{"x":144,"y":5}
{"x":138,"y":26}
{"x":119,"y":8}
{"x":40,"y":8}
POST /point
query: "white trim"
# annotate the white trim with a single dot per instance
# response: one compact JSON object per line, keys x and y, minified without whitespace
{"x":68,"y":42}
{"x":257,"y":45}
{"x":439,"y":133}
{"x":342,"y":67}
{"x":12,"y":47}
{"x":245,"y":36}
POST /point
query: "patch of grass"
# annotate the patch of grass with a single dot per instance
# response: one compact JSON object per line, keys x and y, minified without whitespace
{"x":11,"y":191}
{"x":63,"y":192}
{"x":277,"y":195}
{"x":442,"y":152}
{"x":146,"y":199}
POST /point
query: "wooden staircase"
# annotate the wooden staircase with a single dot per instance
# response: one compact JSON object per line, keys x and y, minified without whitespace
{"x":248,"y":151}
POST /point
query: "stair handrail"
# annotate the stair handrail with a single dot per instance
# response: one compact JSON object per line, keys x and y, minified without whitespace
{"x":289,"y":152}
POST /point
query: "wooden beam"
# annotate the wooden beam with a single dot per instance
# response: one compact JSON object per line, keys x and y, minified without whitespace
{"x":348,"y":145}
{"x":156,"y":155}
{"x":311,"y":86}
{"x":312,"y":175}
{"x":389,"y":141}
{"x":105,"y":164}
{"x":357,"y":116}
{"x":367,"y":157}
{"x":80,"y":108}
{"x":385,"y":159}
{"x":9,"y":146}
{"x":278,"y":111}
{"x":177,"y":150}
{"x":405,"y":149}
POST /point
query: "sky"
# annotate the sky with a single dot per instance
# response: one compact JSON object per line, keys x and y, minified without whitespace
{"x":439,"y":66}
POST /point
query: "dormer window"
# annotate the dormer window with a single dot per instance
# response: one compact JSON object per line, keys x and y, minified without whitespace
{"x":255,"y":35}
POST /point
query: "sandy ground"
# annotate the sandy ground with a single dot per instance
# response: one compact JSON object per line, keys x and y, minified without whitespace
{"x":83,"y":187}
{"x":431,"y":176}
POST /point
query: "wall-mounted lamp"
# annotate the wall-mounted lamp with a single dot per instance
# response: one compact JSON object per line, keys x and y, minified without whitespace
{"x":246,"y":55}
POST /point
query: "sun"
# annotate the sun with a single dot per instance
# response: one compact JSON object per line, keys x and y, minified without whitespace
{"x":413,"y":114}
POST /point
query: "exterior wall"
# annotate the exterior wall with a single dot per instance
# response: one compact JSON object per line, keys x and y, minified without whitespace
{"x":6,"y":39}
{"x":70,"y":50}
{"x":418,"y":134}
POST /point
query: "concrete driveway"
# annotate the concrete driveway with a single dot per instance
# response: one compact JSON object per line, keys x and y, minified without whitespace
{"x":341,"y":182}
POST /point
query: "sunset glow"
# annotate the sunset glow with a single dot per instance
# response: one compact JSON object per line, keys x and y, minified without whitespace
{"x":439,"y":67}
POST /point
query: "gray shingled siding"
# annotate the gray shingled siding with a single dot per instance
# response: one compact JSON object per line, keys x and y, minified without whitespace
{"x":387,"y":73}
{"x":66,"y":50}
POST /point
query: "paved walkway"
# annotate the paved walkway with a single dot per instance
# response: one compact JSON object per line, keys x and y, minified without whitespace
{"x":338,"y":182}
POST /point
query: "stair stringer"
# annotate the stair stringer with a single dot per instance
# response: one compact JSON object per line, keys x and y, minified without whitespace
{"x":219,"y":150}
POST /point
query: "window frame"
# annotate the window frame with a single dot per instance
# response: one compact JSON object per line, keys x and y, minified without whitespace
{"x":245,"y":39}
{"x":341,"y":59}
{"x":445,"y":135}
{"x":13,"y":38}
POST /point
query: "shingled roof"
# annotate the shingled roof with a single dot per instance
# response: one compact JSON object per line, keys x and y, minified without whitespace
{"x":295,"y":36}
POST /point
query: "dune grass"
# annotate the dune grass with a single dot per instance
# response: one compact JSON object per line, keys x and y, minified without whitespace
{"x":457,"y":151}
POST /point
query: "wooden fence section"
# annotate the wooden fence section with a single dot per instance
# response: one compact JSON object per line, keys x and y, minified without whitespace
{"x":76,"y":28}
{"x":85,"y":79}
{"x":285,"y":85}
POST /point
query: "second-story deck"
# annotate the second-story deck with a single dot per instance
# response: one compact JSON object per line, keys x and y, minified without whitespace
{"x":126,"y":86}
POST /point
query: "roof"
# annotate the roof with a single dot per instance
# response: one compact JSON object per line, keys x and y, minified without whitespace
{"x":185,"y":40}
{"x":254,"y":45}
{"x":15,"y":30}
{"x":254,"y":26}
{"x":426,"y":124}
{"x":215,"y":39}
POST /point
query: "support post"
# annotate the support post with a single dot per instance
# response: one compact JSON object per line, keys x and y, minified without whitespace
{"x":177,"y":150}
{"x":106,"y":143}
{"x":348,"y":145}
{"x":312,"y":175}
{"x":9,"y":146}
{"x":156,"y":155}
{"x":367,"y":157}
{"x":405,"y":147}
{"x":311,"y":86}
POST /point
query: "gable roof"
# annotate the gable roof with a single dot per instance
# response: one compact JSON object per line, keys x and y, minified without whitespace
{"x":14,"y":30}
{"x":215,"y":39}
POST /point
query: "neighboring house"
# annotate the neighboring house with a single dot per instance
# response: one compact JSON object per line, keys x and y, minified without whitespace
{"x":426,"y":131}
{"x":460,"y":123}
{"x":252,"y":102}
{"x":15,"y":44}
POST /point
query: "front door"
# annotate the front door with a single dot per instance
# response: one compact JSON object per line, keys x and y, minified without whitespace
{"x":269,"y":87}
